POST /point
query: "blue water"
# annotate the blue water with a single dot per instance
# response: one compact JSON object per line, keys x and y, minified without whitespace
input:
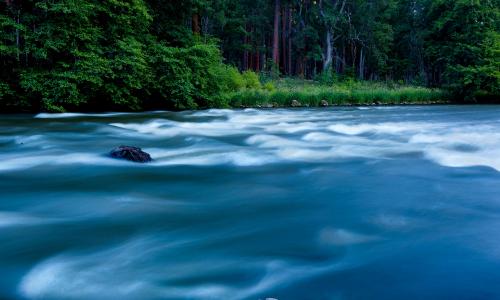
{"x":337,"y":203}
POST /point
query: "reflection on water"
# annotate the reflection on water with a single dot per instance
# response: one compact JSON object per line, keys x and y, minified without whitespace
{"x":339,"y":203}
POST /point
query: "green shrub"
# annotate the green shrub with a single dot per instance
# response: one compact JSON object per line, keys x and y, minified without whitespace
{"x":269,"y":86}
{"x":5,"y":91}
{"x":230,"y":78}
{"x":192,"y":77}
{"x":327,"y":77}
{"x":251,"y":80}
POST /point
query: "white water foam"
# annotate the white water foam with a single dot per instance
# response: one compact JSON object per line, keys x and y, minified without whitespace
{"x":165,"y":128}
{"x":107,"y":275}
{"x":462,"y":146}
{"x":236,"y":158}
{"x":74,"y":115}
{"x":382,"y":128}
{"x":13,"y":163}
{"x":274,"y":136}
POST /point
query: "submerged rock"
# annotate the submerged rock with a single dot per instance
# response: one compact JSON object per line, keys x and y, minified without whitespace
{"x":323,"y":103}
{"x":134,"y":154}
{"x":295,"y":103}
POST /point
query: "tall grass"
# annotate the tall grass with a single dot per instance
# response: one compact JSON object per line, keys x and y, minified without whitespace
{"x":309,"y":93}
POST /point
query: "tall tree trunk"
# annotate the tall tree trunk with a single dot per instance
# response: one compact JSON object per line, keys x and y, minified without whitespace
{"x":353,"y":56}
{"x":329,"y":51}
{"x":250,"y":55}
{"x":276,"y":46}
{"x":361,"y":64}
{"x":344,"y":59}
{"x":303,"y":66}
{"x":289,"y":39}
{"x":245,"y":53}
{"x":251,"y":60}
{"x":283,"y":41}
{"x":195,"y":23}
{"x":329,"y":39}
{"x":264,"y":53}
{"x":257,"y":61}
{"x":18,"y":20}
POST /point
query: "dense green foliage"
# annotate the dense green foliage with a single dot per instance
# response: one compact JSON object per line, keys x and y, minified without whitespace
{"x":85,"y":54}
{"x":58,"y":55}
{"x":463,"y":46}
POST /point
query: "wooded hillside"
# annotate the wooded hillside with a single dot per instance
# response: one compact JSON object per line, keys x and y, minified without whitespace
{"x":175,"y":54}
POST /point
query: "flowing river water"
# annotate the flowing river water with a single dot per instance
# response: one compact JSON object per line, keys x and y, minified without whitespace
{"x":336,"y":203}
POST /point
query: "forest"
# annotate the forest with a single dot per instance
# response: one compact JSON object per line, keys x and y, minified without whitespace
{"x":122,"y":55}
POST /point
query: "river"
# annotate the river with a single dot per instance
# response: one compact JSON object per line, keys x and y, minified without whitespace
{"x":395,"y":202}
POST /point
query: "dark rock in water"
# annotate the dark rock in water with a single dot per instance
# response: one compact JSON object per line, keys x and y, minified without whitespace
{"x":295,"y":103}
{"x":324,"y":103}
{"x":134,"y":154}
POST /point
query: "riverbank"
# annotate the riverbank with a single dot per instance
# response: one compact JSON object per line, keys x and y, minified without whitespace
{"x":253,"y":92}
{"x":294,"y":92}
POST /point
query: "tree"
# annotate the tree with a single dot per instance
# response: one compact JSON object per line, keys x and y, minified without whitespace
{"x":462,"y":46}
{"x":276,"y":54}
